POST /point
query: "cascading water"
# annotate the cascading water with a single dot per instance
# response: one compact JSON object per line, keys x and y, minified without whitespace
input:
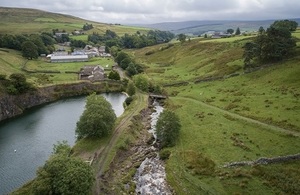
{"x":150,"y":177}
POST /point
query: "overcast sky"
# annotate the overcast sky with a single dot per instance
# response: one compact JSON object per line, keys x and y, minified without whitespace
{"x":154,"y":11}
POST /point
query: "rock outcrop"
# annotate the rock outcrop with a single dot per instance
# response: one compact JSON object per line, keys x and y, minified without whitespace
{"x":13,"y":105}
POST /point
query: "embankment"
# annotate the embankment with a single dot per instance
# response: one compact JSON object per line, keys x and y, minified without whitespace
{"x":13,"y":105}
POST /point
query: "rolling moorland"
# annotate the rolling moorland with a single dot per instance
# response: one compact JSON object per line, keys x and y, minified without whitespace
{"x":227,"y":115}
{"x":237,"y":117}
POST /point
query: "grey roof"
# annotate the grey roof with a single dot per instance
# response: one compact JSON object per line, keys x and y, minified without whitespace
{"x":69,"y":57}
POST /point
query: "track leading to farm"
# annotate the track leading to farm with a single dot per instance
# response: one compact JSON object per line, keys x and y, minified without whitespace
{"x":104,"y":154}
{"x":237,"y":116}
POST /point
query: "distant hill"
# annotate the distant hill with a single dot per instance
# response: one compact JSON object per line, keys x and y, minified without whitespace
{"x":23,"y":20}
{"x":199,"y":27}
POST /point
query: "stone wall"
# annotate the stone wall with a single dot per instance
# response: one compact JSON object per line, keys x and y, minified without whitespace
{"x":264,"y":161}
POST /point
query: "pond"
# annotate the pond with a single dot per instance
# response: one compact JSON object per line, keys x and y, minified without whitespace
{"x":27,"y":141}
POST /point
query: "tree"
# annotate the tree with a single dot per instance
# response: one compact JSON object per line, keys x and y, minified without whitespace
{"x":125,"y":62}
{"x":97,"y":119}
{"x":272,"y":45}
{"x":182,"y":38}
{"x":238,"y":31}
{"x":141,"y":82}
{"x":130,"y":89}
{"x":289,"y":24}
{"x":114,"y":75}
{"x":131,"y":70}
{"x":114,"y":50}
{"x":29,"y":50}
{"x":278,"y":44}
{"x":167,"y":128}
{"x":37,"y":40}
{"x":230,"y":31}
{"x":63,"y":174}
{"x":18,"y":84}
{"x":121,"y":56}
{"x":249,"y":53}
{"x":261,"y":30}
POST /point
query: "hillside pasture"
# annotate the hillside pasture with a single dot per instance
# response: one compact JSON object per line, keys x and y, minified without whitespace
{"x":238,"y":117}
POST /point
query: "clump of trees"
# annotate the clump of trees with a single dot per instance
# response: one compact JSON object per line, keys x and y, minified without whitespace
{"x":63,"y":174}
{"x":98,"y":118}
{"x":31,"y":45}
{"x":142,"y":82}
{"x":127,"y":63}
{"x":272,"y":45}
{"x":16,"y":84}
{"x":87,"y":26}
{"x":167,"y":128}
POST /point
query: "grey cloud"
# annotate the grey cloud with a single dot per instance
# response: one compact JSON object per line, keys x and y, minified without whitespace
{"x":151,"y":11}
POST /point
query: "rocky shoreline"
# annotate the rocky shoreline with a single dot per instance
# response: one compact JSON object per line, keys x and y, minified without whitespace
{"x":14,"y":105}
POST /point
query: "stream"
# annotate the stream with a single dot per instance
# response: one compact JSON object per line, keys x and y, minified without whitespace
{"x":150,"y":177}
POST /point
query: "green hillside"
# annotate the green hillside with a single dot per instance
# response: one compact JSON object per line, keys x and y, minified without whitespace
{"x":238,"y":118}
{"x":21,"y":20}
{"x":226,"y":114}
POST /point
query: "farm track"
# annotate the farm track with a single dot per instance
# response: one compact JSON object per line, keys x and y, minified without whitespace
{"x":103,"y":156}
{"x":240,"y":117}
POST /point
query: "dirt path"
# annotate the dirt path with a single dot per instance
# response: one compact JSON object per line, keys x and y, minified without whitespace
{"x":237,"y":116}
{"x":103,"y":156}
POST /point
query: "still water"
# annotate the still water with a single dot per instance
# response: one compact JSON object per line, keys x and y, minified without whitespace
{"x":26,"y":142}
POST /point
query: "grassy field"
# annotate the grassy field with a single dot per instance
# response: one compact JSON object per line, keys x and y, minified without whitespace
{"x":217,"y":117}
{"x":18,"y":21}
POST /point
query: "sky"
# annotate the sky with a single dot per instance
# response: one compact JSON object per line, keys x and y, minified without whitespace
{"x":156,"y":11}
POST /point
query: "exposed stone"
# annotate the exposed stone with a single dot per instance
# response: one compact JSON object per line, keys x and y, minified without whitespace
{"x":13,"y":105}
{"x":264,"y":161}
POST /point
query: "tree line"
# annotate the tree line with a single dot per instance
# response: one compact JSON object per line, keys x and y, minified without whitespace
{"x":137,"y":40}
{"x":31,"y":45}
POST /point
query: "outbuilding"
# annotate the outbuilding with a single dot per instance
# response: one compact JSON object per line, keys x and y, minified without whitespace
{"x":70,"y":58}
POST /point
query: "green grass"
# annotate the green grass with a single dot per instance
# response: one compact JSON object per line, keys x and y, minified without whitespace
{"x":44,"y":20}
{"x":80,"y":37}
{"x":41,"y":65}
